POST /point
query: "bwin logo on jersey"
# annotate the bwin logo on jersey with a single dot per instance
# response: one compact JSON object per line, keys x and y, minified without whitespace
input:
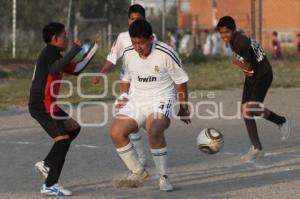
{"x":147,"y":79}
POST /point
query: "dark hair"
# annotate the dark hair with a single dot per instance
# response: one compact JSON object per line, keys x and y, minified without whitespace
{"x":141,"y":29}
{"x":274,"y":33}
{"x":227,"y":22}
{"x":51,"y":29}
{"x":136,"y":8}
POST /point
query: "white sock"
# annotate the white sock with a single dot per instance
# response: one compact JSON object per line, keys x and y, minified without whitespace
{"x":129,"y":157}
{"x":136,"y":140}
{"x":160,"y":160}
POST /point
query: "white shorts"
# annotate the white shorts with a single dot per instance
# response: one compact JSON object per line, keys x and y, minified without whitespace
{"x":140,"y":110}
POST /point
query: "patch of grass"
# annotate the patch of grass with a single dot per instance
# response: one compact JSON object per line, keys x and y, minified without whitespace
{"x":4,"y":74}
{"x":212,"y":74}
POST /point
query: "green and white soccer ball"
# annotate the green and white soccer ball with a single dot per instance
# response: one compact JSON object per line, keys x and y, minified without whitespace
{"x":210,"y":141}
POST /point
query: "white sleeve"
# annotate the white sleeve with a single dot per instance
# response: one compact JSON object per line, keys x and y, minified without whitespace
{"x":175,"y":70}
{"x":116,"y":51}
{"x":125,"y":74}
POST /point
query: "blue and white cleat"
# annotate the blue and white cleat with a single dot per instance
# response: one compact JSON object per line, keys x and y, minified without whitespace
{"x":55,"y":190}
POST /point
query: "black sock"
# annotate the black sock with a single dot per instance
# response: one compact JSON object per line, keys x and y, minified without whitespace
{"x":252,"y":132}
{"x":277,"y":119}
{"x":47,"y":160}
{"x":73,"y":134}
{"x":60,"y":150}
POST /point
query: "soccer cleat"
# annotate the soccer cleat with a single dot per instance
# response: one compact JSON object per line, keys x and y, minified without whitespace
{"x":133,"y":180}
{"x":164,"y":184}
{"x":141,"y":176}
{"x":42,"y":169}
{"x":55,"y":190}
{"x":252,"y":154}
{"x":285,"y":129}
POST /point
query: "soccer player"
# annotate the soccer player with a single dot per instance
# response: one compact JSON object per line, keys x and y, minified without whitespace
{"x":43,"y":107}
{"x":154,"y":72}
{"x":123,"y":41}
{"x":250,"y":57}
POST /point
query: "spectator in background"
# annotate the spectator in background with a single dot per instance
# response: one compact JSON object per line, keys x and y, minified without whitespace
{"x":178,"y":37}
{"x":171,"y":41}
{"x":298,"y":44}
{"x":216,"y":43}
{"x":207,"y":47}
{"x":227,"y":50}
{"x":184,"y":44}
{"x":276,"y":48}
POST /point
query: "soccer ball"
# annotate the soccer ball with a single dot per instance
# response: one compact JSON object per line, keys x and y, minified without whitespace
{"x":210,"y":141}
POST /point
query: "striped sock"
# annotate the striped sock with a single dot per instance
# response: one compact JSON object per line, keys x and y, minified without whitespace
{"x":129,"y":157}
{"x":160,"y":160}
{"x":136,"y":140}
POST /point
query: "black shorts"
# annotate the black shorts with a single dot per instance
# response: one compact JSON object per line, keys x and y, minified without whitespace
{"x":255,"y":89}
{"x":53,"y":126}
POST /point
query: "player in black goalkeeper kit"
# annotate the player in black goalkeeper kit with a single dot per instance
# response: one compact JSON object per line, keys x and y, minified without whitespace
{"x":251,"y":58}
{"x":43,"y":106}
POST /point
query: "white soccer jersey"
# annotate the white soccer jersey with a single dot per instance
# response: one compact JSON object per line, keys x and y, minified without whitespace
{"x":123,"y":41}
{"x":154,"y":77}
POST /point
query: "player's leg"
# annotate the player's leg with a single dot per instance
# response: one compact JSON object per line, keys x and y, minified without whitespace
{"x":70,"y":126}
{"x":259,"y":92}
{"x":251,"y":126}
{"x":260,"y":111}
{"x":256,"y":148}
{"x":60,"y":149}
{"x":136,"y":140}
{"x":122,"y":126}
{"x":45,"y":120}
{"x":283,"y":123}
{"x":156,"y":124}
{"x":56,"y":129}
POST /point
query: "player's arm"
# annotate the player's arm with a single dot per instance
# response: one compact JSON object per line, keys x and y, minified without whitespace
{"x":77,"y":68}
{"x":244,"y":65}
{"x":123,"y":98}
{"x":124,"y":87}
{"x":111,"y":59}
{"x":184,"y":112}
{"x":243,"y":56}
{"x":106,"y":66}
{"x":61,"y":64}
{"x":180,"y":78}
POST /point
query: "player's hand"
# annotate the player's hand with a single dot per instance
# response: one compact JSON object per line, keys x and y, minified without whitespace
{"x":96,"y":38}
{"x":249,"y":73}
{"x":184,"y":114}
{"x":96,"y":80}
{"x":78,"y":43}
{"x":121,"y":101}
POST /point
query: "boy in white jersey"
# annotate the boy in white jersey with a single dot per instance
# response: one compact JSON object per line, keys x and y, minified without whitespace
{"x":135,"y":12}
{"x":153,"y":72}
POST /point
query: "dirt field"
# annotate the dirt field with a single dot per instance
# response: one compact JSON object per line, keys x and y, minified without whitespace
{"x":92,"y":162}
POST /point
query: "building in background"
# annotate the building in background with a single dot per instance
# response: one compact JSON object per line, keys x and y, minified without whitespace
{"x":277,"y":15}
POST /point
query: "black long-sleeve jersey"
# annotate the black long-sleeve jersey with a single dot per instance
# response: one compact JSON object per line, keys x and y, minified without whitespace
{"x":48,"y":72}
